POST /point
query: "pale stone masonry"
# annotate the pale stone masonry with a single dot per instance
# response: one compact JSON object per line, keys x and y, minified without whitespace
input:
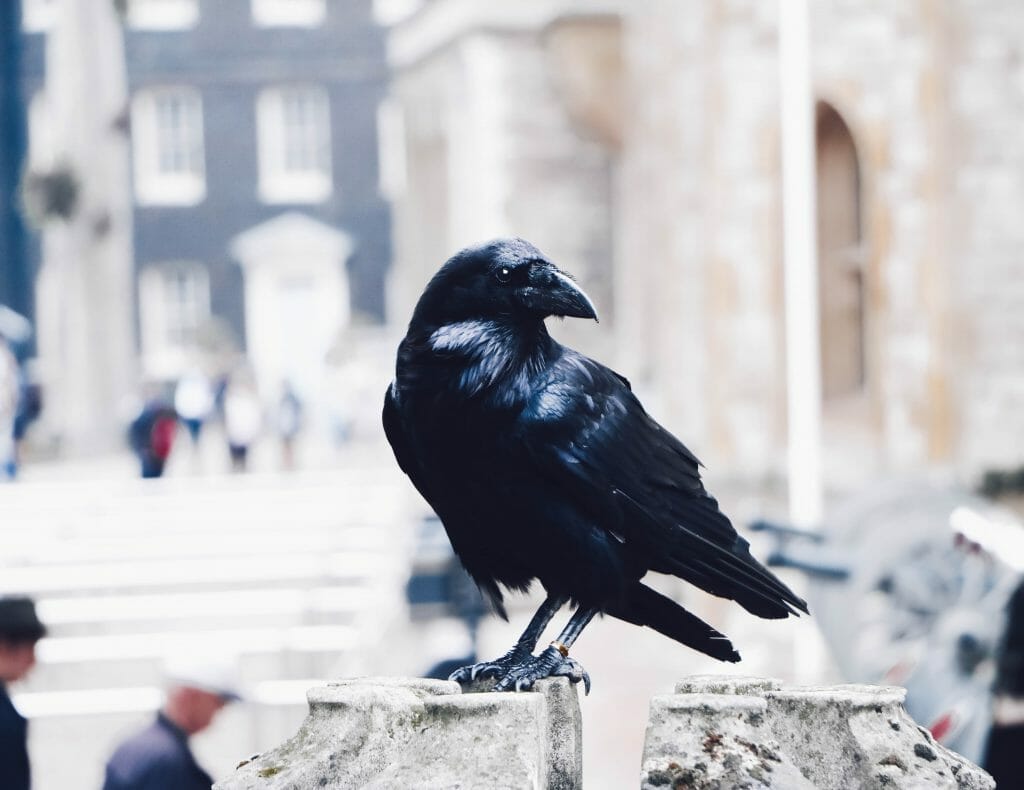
{"x":645,"y":157}
{"x":720,"y":732}
{"x":713,"y":733}
{"x":407,"y":732}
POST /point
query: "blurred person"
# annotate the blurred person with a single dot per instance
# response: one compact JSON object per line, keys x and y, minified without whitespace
{"x":10,"y":377}
{"x":20,"y":629}
{"x":151,"y":435}
{"x":193,"y":401}
{"x":30,"y":406}
{"x":243,"y":420}
{"x":289,"y":423}
{"x":159,"y":756}
{"x":1006,"y":738}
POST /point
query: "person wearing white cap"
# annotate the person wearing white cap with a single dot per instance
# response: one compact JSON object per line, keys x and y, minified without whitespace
{"x":159,"y":757}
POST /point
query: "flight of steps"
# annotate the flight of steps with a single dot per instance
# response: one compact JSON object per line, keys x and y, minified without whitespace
{"x":297,"y":575}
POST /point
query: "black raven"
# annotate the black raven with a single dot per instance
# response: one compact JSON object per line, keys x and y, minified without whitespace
{"x":542,"y":464}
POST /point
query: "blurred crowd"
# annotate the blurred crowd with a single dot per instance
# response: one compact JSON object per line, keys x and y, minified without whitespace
{"x":196,"y":400}
{"x":170,"y":415}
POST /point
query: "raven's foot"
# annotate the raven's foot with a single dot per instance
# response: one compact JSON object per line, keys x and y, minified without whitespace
{"x":490,"y":669}
{"x":549,"y":664}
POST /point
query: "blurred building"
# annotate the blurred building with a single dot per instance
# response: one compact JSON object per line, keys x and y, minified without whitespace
{"x":15,"y":285}
{"x":638,"y":144}
{"x":257,"y":219}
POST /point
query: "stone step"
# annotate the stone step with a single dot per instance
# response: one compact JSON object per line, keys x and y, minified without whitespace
{"x":157,"y":644}
{"x":135,"y":699}
{"x":100,"y":613}
{"x":208,"y":572}
{"x":150,"y":544}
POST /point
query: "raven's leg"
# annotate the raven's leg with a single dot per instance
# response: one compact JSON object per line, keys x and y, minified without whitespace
{"x":522,"y":650}
{"x":554,"y":661}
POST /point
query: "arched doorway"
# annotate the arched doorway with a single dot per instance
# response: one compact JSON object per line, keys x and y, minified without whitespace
{"x":841,"y":281}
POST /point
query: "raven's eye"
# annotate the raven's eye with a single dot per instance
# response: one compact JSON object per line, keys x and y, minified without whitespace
{"x":504,"y":274}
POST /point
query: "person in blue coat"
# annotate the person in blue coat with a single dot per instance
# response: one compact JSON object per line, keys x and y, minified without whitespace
{"x":20,"y":629}
{"x":159,"y":757}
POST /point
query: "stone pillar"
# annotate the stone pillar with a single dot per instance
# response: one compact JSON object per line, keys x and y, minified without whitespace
{"x":409,"y":732}
{"x":750,"y":732}
{"x":86,"y":289}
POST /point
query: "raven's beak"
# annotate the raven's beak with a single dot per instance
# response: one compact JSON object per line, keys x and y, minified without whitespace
{"x":556,"y":293}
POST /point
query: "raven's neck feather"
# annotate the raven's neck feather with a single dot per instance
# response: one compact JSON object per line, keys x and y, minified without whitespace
{"x":493,"y":359}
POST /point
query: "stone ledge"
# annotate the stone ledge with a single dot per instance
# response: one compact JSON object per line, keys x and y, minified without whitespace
{"x":717,"y":732}
{"x":410,"y":732}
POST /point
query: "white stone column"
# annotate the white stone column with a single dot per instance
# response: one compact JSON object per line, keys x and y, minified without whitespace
{"x":86,"y":290}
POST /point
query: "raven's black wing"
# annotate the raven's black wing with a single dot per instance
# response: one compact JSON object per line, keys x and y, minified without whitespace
{"x":585,"y":431}
{"x":395,"y":431}
{"x":409,"y":463}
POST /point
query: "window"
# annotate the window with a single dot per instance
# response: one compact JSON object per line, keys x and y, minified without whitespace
{"x":38,"y":16}
{"x":163,"y":14}
{"x":167,"y":136}
{"x":288,"y":13}
{"x":293,"y":125}
{"x":174,"y":304}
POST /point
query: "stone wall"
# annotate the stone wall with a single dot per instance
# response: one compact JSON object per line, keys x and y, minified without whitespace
{"x":930,"y":92}
{"x":985,"y":90}
{"x":491,"y":150}
{"x":699,"y":291}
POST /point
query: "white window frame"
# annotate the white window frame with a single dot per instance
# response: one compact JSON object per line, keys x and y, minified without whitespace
{"x":38,"y":16}
{"x":279,"y":180}
{"x":163,"y":14}
{"x":288,"y":13}
{"x":159,"y":315}
{"x":154,"y":183}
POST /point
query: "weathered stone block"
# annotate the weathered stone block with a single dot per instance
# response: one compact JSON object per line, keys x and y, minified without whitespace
{"x":409,"y":732}
{"x":716,"y":733}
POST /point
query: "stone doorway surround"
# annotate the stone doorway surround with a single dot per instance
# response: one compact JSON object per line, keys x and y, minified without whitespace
{"x":296,"y":301}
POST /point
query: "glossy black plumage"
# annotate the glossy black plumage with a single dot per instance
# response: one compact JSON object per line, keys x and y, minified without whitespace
{"x":542,"y":464}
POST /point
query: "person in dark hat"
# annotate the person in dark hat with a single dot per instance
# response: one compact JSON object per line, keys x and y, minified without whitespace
{"x":20,"y":629}
{"x":159,"y":757}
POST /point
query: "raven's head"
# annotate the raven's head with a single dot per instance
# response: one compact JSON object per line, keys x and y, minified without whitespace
{"x":504,"y":278}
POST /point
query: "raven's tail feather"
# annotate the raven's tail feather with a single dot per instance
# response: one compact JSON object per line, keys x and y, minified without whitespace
{"x":644,"y":606}
{"x":733,"y":573}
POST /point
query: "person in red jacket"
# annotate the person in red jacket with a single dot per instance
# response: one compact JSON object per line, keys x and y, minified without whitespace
{"x":151,"y":435}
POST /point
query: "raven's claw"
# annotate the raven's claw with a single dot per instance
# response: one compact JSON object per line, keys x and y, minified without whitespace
{"x":550,"y":663}
{"x":489,"y":669}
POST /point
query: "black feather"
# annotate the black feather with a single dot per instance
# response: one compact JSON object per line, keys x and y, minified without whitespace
{"x":644,"y":606}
